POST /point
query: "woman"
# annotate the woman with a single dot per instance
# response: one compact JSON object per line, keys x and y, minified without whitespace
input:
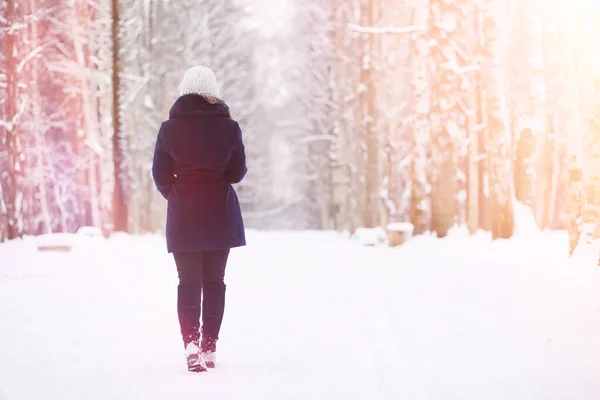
{"x":199,"y":153}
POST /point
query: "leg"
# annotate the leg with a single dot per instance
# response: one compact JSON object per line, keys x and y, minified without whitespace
{"x":214,"y":297}
{"x":189,"y":294}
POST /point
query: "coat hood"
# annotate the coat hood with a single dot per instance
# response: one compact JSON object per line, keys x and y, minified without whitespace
{"x":194,"y":104}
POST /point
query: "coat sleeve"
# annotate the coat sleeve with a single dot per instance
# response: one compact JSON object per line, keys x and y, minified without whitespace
{"x":236,"y":170}
{"x":162,"y":166}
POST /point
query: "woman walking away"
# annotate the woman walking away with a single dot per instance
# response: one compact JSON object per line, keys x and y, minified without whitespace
{"x":199,"y":153}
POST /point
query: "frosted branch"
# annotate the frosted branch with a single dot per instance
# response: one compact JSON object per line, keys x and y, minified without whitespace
{"x":273,"y":211}
{"x":459,"y":50}
{"x":317,"y":138}
{"x":10,"y":125}
{"x":386,"y":29}
{"x":467,"y":69}
{"x":29,"y":57}
{"x":457,"y":69}
{"x":12,"y":30}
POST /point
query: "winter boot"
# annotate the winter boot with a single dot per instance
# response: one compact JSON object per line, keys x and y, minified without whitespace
{"x":208,"y":348}
{"x":188,"y":311}
{"x":212,"y":316}
{"x":195,"y":361}
{"x":210,"y":358}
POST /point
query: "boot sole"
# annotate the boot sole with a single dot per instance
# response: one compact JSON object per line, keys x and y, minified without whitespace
{"x":196,"y":368}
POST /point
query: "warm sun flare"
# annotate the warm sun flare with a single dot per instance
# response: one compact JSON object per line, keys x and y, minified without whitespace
{"x":582,"y":19}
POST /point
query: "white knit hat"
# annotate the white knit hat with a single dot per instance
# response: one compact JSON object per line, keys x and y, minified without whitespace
{"x":199,"y":80}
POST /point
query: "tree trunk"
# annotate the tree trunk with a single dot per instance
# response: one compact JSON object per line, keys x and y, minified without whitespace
{"x":39,"y":130}
{"x":90,"y":138}
{"x":373,"y":175}
{"x":444,"y":126}
{"x":483,"y":164}
{"x":500,"y":176}
{"x":13,"y":190}
{"x":537,"y":96}
{"x":367,"y":145}
{"x":343,"y":169}
{"x":3,"y":220}
{"x":526,"y":117}
{"x":118,"y":140}
{"x":523,"y":175}
{"x":473,"y":222}
{"x":418,"y":207}
{"x":592,"y":165}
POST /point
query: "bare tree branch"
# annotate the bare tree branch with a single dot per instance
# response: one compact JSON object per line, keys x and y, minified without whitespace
{"x":386,"y":29}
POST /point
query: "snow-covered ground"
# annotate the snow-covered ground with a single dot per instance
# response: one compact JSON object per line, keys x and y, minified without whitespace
{"x":309,"y":316}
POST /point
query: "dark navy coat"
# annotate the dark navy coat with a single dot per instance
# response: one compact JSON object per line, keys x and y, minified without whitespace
{"x":199,"y":153}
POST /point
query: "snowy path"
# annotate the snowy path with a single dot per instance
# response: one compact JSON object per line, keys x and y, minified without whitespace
{"x":309,"y":316}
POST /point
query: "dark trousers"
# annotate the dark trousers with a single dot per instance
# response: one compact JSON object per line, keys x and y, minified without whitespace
{"x":201,"y":291}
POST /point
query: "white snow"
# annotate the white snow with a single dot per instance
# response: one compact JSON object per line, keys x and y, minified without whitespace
{"x":55,"y":241}
{"x":401,"y":227}
{"x":370,"y":236}
{"x":525,"y":223}
{"x":89,"y":231}
{"x":309,"y":316}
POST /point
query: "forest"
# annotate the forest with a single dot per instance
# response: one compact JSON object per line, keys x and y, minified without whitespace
{"x":355,"y":113}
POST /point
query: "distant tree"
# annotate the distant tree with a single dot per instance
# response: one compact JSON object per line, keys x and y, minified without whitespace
{"x":12,"y":177}
{"x":447,"y":129}
{"x":119,"y":141}
{"x":421,"y":127}
{"x":3,"y":137}
{"x":345,"y":71}
{"x":499,"y":143}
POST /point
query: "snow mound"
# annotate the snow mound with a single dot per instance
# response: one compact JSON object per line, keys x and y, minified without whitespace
{"x":435,"y":319}
{"x":401,"y":227}
{"x":56,"y":242}
{"x":525,"y":223}
{"x":371,"y":236}
{"x":91,"y":231}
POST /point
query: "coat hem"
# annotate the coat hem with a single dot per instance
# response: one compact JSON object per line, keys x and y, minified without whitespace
{"x":198,"y":250}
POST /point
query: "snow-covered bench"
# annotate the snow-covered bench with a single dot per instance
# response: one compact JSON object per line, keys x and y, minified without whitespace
{"x":64,"y":242}
{"x":55,"y":242}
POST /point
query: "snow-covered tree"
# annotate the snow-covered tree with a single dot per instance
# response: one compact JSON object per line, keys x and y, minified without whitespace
{"x":421,"y":127}
{"x":470,"y":81}
{"x":355,"y":113}
{"x":3,"y":138}
{"x":556,"y":138}
{"x":12,"y":175}
{"x":446,"y":118}
{"x":395,"y":92}
{"x":119,"y":139}
{"x":498,"y":134}
{"x":314,"y":75}
{"x":345,"y":72}
{"x":527,"y":108}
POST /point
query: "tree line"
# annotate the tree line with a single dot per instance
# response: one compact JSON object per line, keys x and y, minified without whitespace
{"x":355,"y":113}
